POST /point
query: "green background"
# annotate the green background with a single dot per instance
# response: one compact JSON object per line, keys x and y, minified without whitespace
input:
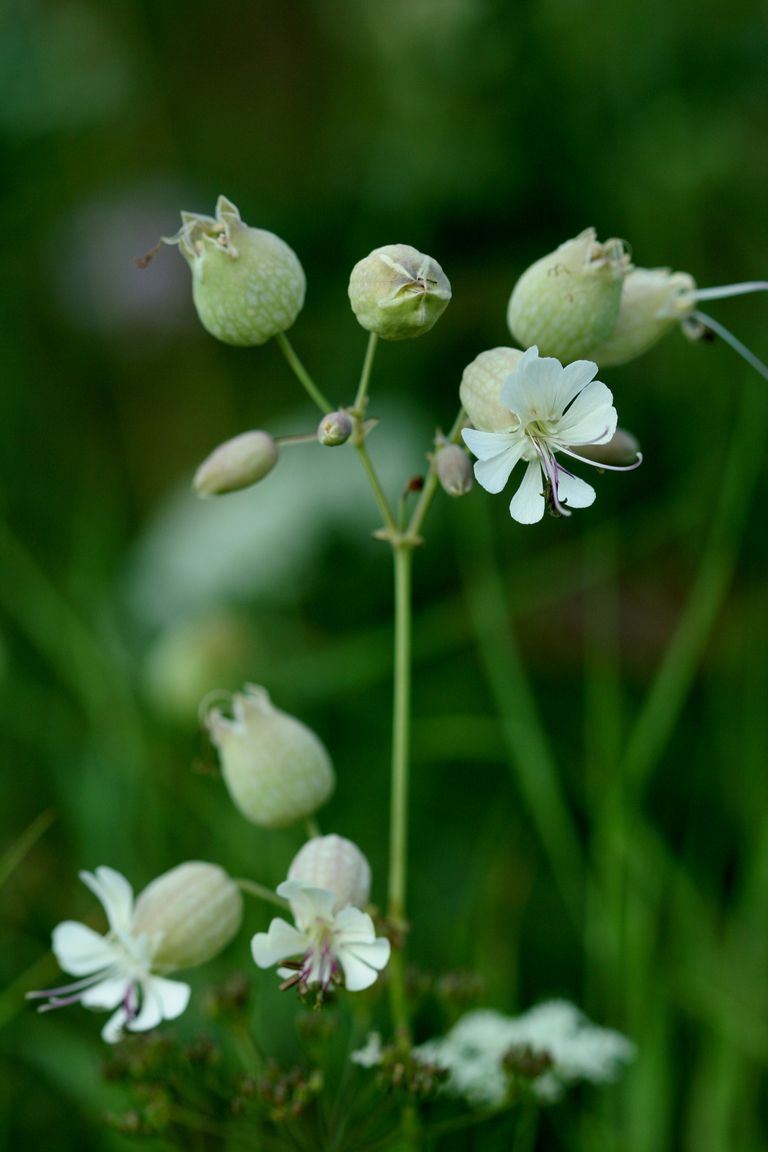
{"x":590,"y":806}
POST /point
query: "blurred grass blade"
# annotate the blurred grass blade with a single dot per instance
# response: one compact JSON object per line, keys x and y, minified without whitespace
{"x":530,"y":754}
{"x":14,"y":855}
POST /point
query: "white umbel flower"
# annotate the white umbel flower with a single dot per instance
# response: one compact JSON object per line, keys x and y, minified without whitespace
{"x":335,"y":947}
{"x":474,"y":1050}
{"x":548,"y":409}
{"x":116,"y":970}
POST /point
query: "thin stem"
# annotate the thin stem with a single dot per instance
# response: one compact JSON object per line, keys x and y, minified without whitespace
{"x":431,"y":483}
{"x":398,"y":860}
{"x":362,"y":389}
{"x":378,"y":492}
{"x":312,"y":827}
{"x":302,"y":375}
{"x":261,"y":892}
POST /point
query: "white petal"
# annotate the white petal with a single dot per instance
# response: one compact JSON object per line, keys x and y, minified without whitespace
{"x":106,"y":994}
{"x":574,"y":379}
{"x":162,"y":1000}
{"x":113,"y":1029}
{"x":533,"y":386}
{"x":591,"y":419}
{"x":363,"y":962}
{"x":354,"y":925}
{"x":573,"y":492}
{"x":307,"y":903}
{"x":494,"y":474}
{"x":79,"y":950}
{"x":115,"y":894}
{"x":527,"y":504}
{"x":486,"y":445}
{"x":281,"y":941}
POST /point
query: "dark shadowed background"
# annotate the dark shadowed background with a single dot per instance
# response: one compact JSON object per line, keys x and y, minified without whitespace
{"x":484,"y":133}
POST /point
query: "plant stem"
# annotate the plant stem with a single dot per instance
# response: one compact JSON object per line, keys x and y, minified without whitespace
{"x":261,"y":892}
{"x":378,"y":492}
{"x":302,"y":375}
{"x":430,"y":484}
{"x":362,"y":389}
{"x":398,"y":860}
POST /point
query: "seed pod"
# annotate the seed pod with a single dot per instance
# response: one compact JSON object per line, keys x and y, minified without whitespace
{"x":454,"y":470}
{"x":653,"y":300}
{"x":398,"y":292}
{"x":194,"y":910}
{"x":336,"y":864}
{"x":235,"y":464}
{"x":276,"y":769}
{"x":481,"y":386}
{"x":567,"y":303}
{"x":247,"y":284}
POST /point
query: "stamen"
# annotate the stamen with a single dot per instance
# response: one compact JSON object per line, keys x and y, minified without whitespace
{"x":605,"y":467}
{"x":735,"y":343}
{"x":731,"y":290}
{"x":70,"y":989}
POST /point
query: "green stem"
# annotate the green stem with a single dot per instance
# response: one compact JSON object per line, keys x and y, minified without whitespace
{"x":378,"y":492}
{"x":362,"y":389}
{"x":302,"y":375}
{"x":398,"y":860}
{"x":312,"y":827}
{"x":261,"y":893}
{"x":431,"y":483}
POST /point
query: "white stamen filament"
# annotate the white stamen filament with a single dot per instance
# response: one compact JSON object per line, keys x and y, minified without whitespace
{"x":735,"y":343}
{"x":726,"y":290}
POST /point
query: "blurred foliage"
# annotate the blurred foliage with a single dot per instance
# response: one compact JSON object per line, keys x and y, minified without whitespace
{"x":614,"y":851}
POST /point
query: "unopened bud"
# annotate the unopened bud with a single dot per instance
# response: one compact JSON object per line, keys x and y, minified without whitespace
{"x":276,"y":769}
{"x":621,"y":449}
{"x":236,"y":464}
{"x":336,"y":864}
{"x":653,"y":300}
{"x":567,"y":303}
{"x":398,"y":292}
{"x":334,"y":429}
{"x":454,"y":470}
{"x":193,"y":911}
{"x":481,"y":385}
{"x":247,"y":284}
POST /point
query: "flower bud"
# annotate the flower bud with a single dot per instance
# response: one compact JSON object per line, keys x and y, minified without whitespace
{"x":193,"y":911}
{"x":398,"y":292}
{"x":454,"y":470}
{"x":236,"y":464}
{"x":276,"y":769}
{"x":247,"y":284}
{"x":481,"y":386}
{"x":653,"y":300}
{"x":336,"y":864}
{"x":334,"y":429}
{"x":568,"y":302}
{"x":621,"y":449}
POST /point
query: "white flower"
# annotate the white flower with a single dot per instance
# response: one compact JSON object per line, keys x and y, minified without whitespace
{"x":551,"y":409}
{"x":331,"y":944}
{"x":474,"y":1051}
{"x":116,"y":969}
{"x":369,"y":1056}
